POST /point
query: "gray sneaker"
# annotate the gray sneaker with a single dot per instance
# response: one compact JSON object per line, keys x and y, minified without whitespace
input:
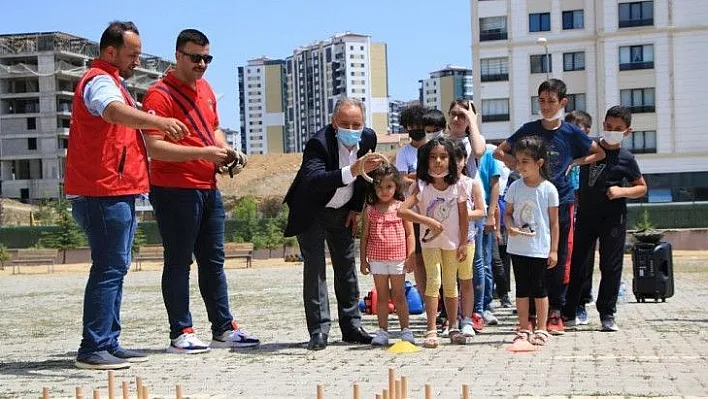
{"x":380,"y":339}
{"x":489,"y":318}
{"x":467,"y":329}
{"x":101,"y":360}
{"x":407,"y":336}
{"x":608,"y":324}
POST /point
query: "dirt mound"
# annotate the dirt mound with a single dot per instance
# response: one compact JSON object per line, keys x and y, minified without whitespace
{"x":15,"y":213}
{"x":264,"y":176}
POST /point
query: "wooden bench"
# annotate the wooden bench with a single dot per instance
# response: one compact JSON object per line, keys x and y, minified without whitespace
{"x":241,"y":250}
{"x":34,"y":256}
{"x":148,"y":253}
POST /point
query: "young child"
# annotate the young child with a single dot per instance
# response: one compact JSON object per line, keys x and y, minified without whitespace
{"x":387,"y":249}
{"x":476,"y":208}
{"x":443,"y":219}
{"x":602,"y":214}
{"x":532,"y":224}
{"x":434,"y":123}
{"x":567,"y":146}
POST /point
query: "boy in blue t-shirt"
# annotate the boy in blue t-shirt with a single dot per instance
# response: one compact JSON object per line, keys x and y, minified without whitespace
{"x":568,"y":146}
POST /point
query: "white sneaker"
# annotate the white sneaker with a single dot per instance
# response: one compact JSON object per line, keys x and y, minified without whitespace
{"x":380,"y":339}
{"x":407,"y":336}
{"x":236,"y":338}
{"x":187,"y":343}
{"x":467,"y":329}
{"x":489,"y":318}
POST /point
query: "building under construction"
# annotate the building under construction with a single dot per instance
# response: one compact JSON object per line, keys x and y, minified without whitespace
{"x":38,"y":75}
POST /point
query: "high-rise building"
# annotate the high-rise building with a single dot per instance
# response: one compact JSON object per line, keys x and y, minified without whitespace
{"x":38,"y":75}
{"x":314,"y":77}
{"x":446,"y":85}
{"x":262,"y":104}
{"x":647,"y":55}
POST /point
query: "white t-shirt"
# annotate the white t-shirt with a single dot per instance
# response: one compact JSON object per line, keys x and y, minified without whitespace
{"x":441,"y":206}
{"x":407,"y":159}
{"x":531,"y":214}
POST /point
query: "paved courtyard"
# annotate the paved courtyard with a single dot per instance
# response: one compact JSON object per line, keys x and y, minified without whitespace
{"x":661,"y":350}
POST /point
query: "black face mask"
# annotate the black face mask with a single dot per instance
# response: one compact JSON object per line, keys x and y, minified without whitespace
{"x":416,"y":135}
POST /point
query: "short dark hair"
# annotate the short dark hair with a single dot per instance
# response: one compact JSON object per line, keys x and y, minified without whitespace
{"x":412,"y":116}
{"x":193,"y":36}
{"x":535,"y":147}
{"x":422,"y":172}
{"x":460,"y":154}
{"x":619,"y":111}
{"x":553,"y":86}
{"x":386,"y":170}
{"x":113,"y":35}
{"x":579,"y":117}
{"x":435,"y":118}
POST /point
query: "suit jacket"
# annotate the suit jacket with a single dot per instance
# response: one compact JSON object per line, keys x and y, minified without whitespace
{"x":319,"y":178}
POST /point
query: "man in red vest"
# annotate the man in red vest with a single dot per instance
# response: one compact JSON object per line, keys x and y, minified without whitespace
{"x":106,"y":168}
{"x":188,"y":207}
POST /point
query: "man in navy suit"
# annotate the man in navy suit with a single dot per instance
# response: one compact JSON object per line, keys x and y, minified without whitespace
{"x":325,"y":202}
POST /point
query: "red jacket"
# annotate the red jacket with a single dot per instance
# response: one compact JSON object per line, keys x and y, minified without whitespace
{"x":103,"y":159}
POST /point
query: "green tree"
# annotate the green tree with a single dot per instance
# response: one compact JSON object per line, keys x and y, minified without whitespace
{"x":273,"y":237}
{"x":68,"y":235}
{"x":139,"y":240}
{"x":271,"y":207}
{"x":4,"y":255}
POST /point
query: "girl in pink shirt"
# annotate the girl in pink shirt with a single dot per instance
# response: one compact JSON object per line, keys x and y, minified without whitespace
{"x":387,"y":249}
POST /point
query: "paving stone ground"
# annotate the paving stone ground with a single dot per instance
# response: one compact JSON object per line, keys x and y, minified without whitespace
{"x":661,"y":349}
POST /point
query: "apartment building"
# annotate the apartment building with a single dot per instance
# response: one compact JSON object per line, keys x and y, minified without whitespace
{"x":261,"y":93}
{"x":646,"y":55}
{"x":446,"y":85}
{"x":38,"y":75}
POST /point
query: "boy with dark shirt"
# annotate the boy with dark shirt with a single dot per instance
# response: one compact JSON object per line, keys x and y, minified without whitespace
{"x":602,"y":214}
{"x":568,"y":146}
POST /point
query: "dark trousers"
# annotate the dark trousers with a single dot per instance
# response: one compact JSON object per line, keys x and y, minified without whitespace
{"x":191,"y":221}
{"x":328,"y":227}
{"x":109,"y":224}
{"x":501,"y":266}
{"x":610,"y":230}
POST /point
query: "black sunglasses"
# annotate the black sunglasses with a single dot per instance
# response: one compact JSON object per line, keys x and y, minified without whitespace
{"x":195,"y":58}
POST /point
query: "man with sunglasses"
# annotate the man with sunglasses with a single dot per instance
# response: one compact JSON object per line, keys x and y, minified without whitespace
{"x":188,"y":207}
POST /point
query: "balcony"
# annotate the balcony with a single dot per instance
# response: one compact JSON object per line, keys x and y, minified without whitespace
{"x":631,"y":23}
{"x":631,"y":66}
{"x":489,"y":36}
{"x":495,"y":118}
{"x":495,"y":77}
{"x":639,"y":109}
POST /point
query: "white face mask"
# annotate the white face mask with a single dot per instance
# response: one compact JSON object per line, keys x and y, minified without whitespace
{"x":612,"y":137}
{"x":438,"y":176}
{"x":558,"y":115}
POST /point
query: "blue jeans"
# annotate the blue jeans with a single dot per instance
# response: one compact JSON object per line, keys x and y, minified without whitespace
{"x":483,"y":279}
{"x":109,"y":223}
{"x":191,"y":221}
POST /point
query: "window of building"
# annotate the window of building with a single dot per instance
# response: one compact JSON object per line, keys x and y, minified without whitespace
{"x":495,"y":110}
{"x":361,"y":48}
{"x":32,"y":143}
{"x":540,"y":22}
{"x":494,"y":69}
{"x":492,"y":28}
{"x":636,"y":57}
{"x":638,"y":13}
{"x":539,"y":63}
{"x":574,"y":19}
{"x":535,"y":108}
{"x":31,"y":123}
{"x":576,"y":102}
{"x":574,"y":61}
{"x":641,"y":142}
{"x":638,"y":100}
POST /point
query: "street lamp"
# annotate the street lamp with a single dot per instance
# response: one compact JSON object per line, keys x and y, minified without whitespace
{"x":544,"y":42}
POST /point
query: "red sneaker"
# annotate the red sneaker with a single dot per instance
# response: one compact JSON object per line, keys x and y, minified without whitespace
{"x":555,"y":324}
{"x":477,"y":322}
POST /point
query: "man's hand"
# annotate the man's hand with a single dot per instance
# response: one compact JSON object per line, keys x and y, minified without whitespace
{"x":364,"y":267}
{"x":214,"y":154}
{"x":173,"y":128}
{"x":367,"y":163}
{"x":352,"y":221}
{"x":552,"y":259}
{"x":614,"y":192}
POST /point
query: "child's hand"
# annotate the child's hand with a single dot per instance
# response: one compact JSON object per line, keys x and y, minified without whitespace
{"x":552,"y":259}
{"x":462,"y":252}
{"x":515,"y":231}
{"x":364,"y":268}
{"x":435,"y":227}
{"x":614,"y":192}
{"x":409,"y":264}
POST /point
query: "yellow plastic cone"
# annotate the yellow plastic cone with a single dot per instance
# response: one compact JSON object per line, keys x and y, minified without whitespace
{"x":403,"y":347}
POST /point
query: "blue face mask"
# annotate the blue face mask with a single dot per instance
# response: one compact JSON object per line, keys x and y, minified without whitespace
{"x":348,"y":137}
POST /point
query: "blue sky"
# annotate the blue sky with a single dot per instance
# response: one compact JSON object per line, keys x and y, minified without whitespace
{"x":422,"y":35}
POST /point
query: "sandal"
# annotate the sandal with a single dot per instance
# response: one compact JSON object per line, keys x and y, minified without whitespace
{"x":522,"y":335}
{"x":431,"y":339}
{"x":456,"y":337}
{"x":540,"y":338}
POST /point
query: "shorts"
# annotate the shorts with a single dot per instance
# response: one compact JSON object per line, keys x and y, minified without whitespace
{"x":440,"y":260}
{"x":386,"y":266}
{"x":530,"y":276}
